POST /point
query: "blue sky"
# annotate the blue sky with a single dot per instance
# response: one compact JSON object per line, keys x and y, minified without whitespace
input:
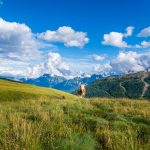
{"x":95,"y":18}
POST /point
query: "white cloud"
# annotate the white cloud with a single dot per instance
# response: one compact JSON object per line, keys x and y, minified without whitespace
{"x":143,"y":44}
{"x":129,"y":31}
{"x":131,"y":62}
{"x":126,"y":62}
{"x":53,"y":64}
{"x":145,"y":61}
{"x":56,"y":65}
{"x":35,"y":70}
{"x":102,"y":68}
{"x":116,"y":38}
{"x":6,"y":71}
{"x":13,"y":68}
{"x":17,"y":41}
{"x":66,"y":35}
{"x":21,"y":54}
{"x":18,"y":49}
{"x":144,"y":33}
{"x":97,"y":57}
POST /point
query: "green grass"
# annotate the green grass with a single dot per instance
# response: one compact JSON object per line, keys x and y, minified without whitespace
{"x":15,"y":91}
{"x":35,"y":118}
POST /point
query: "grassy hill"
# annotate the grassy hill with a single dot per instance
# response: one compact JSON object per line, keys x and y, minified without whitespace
{"x":13,"y":91}
{"x":36,"y":118}
{"x":127,"y":86}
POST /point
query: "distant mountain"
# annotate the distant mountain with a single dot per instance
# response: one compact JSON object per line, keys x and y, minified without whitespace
{"x":72,"y":84}
{"x":61,"y":83}
{"x":8,"y":77}
{"x":128,"y":86}
{"x":45,"y":80}
{"x":134,"y":86}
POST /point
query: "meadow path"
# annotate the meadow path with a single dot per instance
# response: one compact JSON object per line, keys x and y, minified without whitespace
{"x":145,"y":85}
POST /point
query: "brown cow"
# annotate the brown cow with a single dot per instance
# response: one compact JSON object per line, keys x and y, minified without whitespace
{"x":82,"y":90}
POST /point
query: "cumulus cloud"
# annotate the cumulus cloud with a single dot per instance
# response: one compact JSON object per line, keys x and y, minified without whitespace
{"x":56,"y":66}
{"x":21,"y":54}
{"x":13,"y":68}
{"x":102,"y":68}
{"x":97,"y":57}
{"x":129,"y":31}
{"x":127,"y":62}
{"x":145,"y":61}
{"x":144,"y":33}
{"x":34,"y":71}
{"x":53,"y":64}
{"x":21,"y":50}
{"x":7,"y":71}
{"x":116,"y":38}
{"x":144,"y":44}
{"x":66,"y":35}
{"x":17,"y":41}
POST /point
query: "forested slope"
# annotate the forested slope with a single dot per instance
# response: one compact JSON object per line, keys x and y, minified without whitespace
{"x":126,"y":86}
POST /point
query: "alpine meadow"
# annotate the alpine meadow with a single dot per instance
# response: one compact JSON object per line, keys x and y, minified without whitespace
{"x":57,"y":120}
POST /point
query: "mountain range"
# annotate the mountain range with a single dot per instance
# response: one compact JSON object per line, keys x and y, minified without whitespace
{"x":136,"y":85}
{"x":60,"y":83}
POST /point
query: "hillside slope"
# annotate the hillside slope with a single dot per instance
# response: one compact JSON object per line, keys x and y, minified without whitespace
{"x":126,"y":86}
{"x":12,"y":90}
{"x":35,"y":118}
